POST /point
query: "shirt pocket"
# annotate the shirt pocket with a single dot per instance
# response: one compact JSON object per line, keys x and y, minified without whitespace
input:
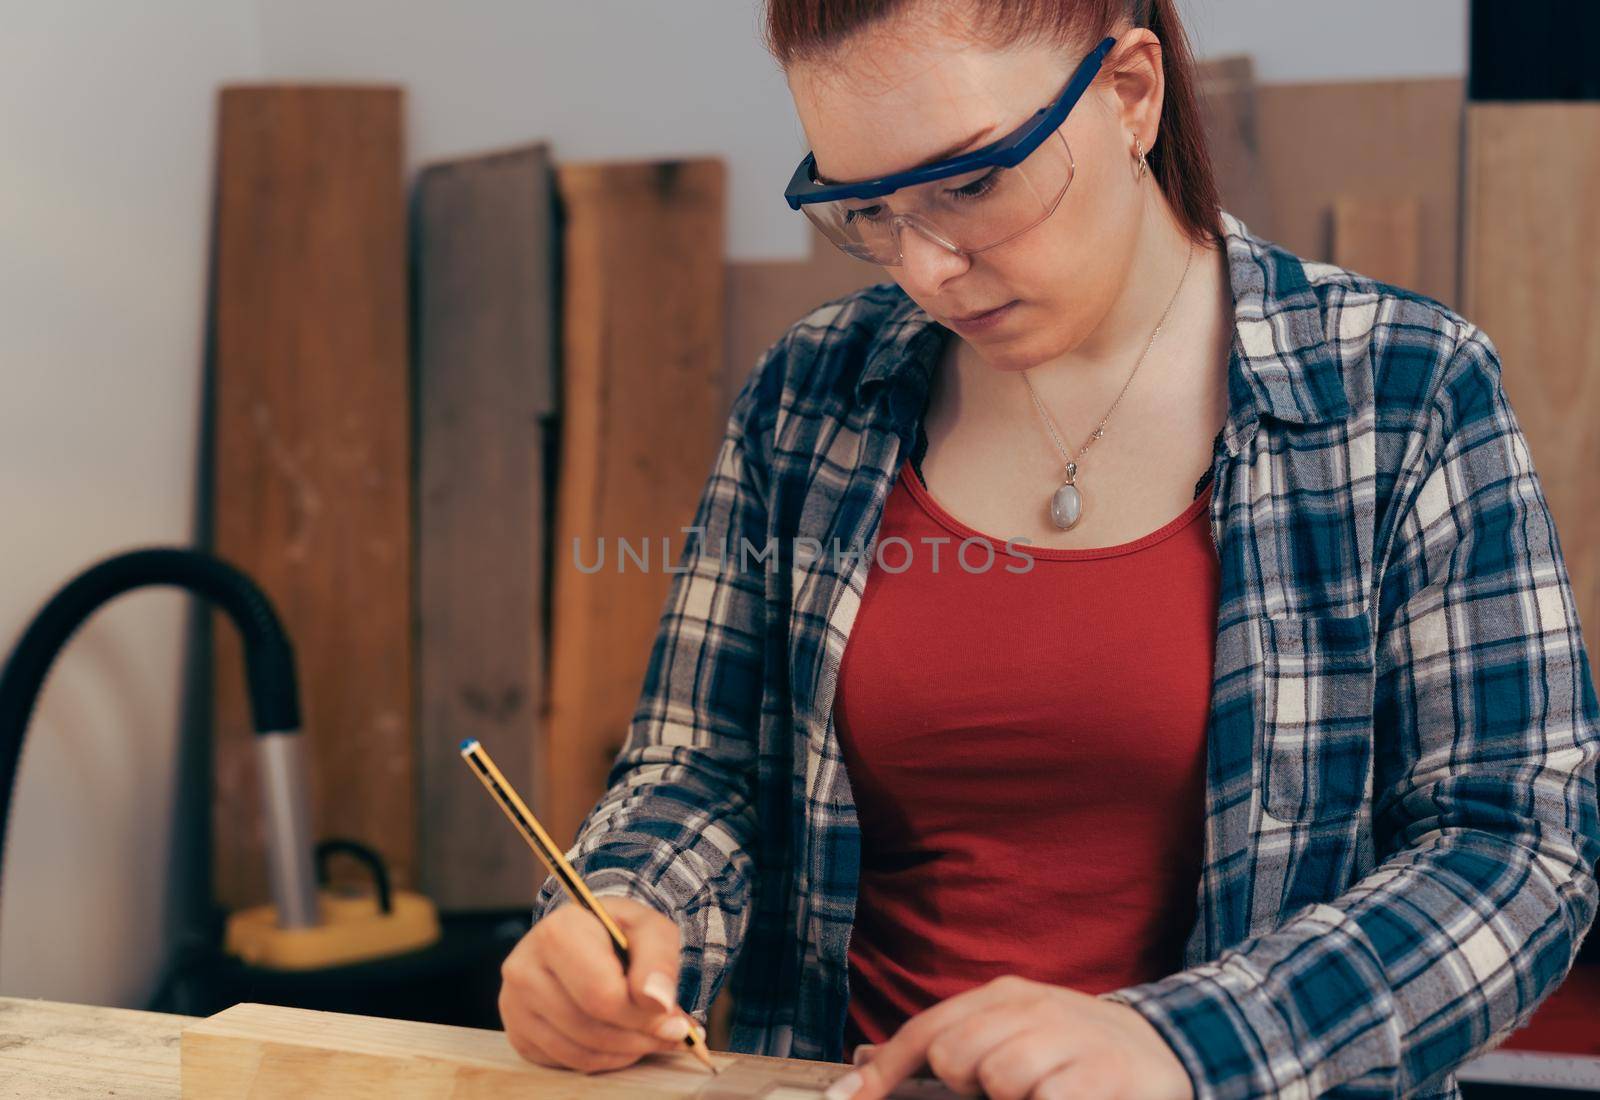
{"x":1316,"y":715}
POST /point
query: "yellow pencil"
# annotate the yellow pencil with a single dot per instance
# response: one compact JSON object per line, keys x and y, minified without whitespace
{"x":540,"y":842}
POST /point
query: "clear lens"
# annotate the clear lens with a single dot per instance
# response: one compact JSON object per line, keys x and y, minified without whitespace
{"x":971,"y":212}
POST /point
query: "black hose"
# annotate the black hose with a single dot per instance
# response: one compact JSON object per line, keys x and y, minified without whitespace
{"x":268,"y":656}
{"x":369,"y":858}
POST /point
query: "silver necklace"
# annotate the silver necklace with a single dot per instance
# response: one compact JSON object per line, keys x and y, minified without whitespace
{"x":1066,"y":503}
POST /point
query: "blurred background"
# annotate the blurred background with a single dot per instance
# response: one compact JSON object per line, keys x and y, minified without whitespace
{"x":367,"y":297}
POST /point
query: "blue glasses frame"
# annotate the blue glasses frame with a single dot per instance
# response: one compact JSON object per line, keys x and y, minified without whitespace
{"x":1008,"y":151}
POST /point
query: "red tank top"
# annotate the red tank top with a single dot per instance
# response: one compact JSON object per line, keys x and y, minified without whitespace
{"x":1027,"y":756}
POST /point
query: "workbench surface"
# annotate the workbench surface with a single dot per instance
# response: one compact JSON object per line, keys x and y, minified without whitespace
{"x":50,"y":1050}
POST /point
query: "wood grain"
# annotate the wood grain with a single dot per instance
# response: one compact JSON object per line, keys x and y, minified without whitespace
{"x":1378,"y":139}
{"x":643,"y":410}
{"x":312,"y":475}
{"x":485,"y":302}
{"x":1532,"y":283}
{"x":1379,"y":238}
{"x":267,"y":1051}
{"x":51,"y":1051}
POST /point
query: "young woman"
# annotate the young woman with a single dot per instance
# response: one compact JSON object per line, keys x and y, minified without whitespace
{"x":1118,"y":658}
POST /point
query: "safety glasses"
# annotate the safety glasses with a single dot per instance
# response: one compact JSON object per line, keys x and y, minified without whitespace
{"x":966,"y":203}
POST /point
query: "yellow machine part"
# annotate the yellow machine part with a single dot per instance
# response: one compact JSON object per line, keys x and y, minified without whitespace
{"x":351,"y":930}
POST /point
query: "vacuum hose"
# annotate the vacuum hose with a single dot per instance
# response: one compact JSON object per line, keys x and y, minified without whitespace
{"x":269,"y":670}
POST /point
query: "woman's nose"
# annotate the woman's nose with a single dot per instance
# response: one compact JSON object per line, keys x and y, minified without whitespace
{"x":928,"y":261}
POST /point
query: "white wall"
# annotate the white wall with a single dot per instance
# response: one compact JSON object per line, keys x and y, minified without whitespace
{"x":106,"y":115}
{"x":596,"y":78}
{"x":1294,"y":42}
{"x":105,"y":152}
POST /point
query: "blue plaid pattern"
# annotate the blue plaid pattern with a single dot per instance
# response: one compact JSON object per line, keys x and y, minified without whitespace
{"x":1401,"y":823}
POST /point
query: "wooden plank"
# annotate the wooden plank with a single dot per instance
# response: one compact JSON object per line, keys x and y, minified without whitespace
{"x":485,"y":300}
{"x":1532,"y":282}
{"x":54,"y":1051}
{"x":265,"y":1050}
{"x":642,"y":417}
{"x":1372,"y":139}
{"x":51,"y":1051}
{"x":312,"y":474}
{"x":1379,"y":238}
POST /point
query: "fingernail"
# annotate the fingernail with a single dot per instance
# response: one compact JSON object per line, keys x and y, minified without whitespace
{"x":658,"y":987}
{"x":674,"y":1027}
{"x":862,"y":1052}
{"x":844,"y":1088}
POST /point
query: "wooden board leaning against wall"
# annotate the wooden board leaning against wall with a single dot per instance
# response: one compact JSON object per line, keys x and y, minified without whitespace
{"x":311,"y":486}
{"x":642,"y":418}
{"x":1531,"y":281}
{"x":485,"y":285}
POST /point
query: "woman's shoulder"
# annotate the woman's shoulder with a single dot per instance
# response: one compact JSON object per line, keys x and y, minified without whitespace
{"x":1393,"y":347}
{"x":819,"y":367}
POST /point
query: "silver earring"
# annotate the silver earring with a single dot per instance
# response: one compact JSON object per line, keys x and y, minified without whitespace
{"x":1144,"y":165}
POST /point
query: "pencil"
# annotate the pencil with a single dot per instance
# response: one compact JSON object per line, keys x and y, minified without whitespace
{"x":539,"y":840}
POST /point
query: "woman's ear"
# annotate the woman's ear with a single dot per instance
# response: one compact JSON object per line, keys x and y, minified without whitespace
{"x":1139,"y":83}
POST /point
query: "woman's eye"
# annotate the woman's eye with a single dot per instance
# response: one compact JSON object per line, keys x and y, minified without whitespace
{"x":863,"y":213}
{"x":977,"y":187}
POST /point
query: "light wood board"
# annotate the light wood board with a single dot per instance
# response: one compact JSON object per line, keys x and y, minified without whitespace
{"x":1377,"y":139}
{"x":312,"y":475}
{"x":1379,"y":238}
{"x":485,"y":285}
{"x":1532,"y":283}
{"x":267,"y":1051}
{"x":643,"y":409}
{"x":52,"y":1051}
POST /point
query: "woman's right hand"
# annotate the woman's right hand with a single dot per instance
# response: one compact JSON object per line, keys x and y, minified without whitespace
{"x":565,"y":1001}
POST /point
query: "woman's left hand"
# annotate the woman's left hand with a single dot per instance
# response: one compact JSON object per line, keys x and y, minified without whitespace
{"x":1015,"y":1039}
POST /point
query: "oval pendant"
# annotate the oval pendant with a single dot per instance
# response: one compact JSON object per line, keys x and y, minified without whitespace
{"x":1066,"y":506}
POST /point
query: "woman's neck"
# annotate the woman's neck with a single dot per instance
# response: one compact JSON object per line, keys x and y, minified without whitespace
{"x":1101,"y":362}
{"x":1185,"y":368}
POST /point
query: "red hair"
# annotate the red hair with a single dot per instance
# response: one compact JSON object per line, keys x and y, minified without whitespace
{"x":801,"y":30}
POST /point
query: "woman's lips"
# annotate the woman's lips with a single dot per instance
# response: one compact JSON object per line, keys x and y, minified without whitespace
{"x":984,"y":320}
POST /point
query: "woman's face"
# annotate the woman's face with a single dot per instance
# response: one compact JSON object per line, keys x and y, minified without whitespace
{"x":896,"y":95}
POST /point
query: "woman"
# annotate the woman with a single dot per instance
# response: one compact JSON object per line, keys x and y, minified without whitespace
{"x":1255,"y":757}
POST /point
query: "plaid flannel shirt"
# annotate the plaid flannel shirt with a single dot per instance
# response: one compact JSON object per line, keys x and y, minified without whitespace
{"x":1401,"y":827}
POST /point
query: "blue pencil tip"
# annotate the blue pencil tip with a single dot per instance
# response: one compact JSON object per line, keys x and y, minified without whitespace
{"x":468,"y":744}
